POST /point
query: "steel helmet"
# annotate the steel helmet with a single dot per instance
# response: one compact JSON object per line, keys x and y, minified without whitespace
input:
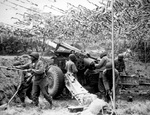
{"x":25,"y":56}
{"x":104,"y":53}
{"x":72,"y":57}
{"x":120,"y":56}
{"x":35,"y":55}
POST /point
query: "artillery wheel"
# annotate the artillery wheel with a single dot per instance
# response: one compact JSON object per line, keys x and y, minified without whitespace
{"x":80,"y":64}
{"x":56,"y":81}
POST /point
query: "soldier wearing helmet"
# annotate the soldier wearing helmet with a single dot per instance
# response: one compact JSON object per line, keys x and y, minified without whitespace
{"x":34,"y":56}
{"x":104,"y":59}
{"x":120,"y":64}
{"x":72,"y":57}
{"x":70,"y":65}
{"x":40,"y":83}
{"x":108,"y":80}
{"x":101,"y":66}
{"x":71,"y":68}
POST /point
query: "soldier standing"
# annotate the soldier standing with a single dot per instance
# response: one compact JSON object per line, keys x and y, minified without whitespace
{"x":71,"y":68}
{"x":40,"y":83}
{"x":120,"y":65}
{"x":70,"y":65}
{"x":101,"y":66}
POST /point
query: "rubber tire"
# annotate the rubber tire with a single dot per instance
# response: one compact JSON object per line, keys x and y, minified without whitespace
{"x":57,"y":83}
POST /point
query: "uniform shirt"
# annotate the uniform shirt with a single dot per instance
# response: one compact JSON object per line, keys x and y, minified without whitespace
{"x":119,"y":65}
{"x":39,"y":72}
{"x":101,"y":65}
{"x":22,"y":66}
{"x":71,"y":67}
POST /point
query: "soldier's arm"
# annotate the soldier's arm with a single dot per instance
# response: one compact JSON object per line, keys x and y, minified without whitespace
{"x":124,"y":67}
{"x":100,"y":65}
{"x":125,"y":70}
{"x":17,"y":63}
{"x":66,"y":66}
{"x":74,"y":68}
{"x":40,"y":68}
{"x":25,"y":66}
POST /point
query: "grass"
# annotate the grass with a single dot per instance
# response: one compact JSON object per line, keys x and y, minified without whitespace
{"x":134,"y":108}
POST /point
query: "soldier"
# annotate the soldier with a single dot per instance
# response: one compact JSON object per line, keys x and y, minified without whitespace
{"x":108,"y":80}
{"x":120,"y":65}
{"x":71,"y":68}
{"x":26,"y":79}
{"x":40,"y":82}
{"x":101,"y":66}
{"x":70,"y":65}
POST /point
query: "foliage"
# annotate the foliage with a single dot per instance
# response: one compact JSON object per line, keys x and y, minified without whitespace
{"x":93,"y":27}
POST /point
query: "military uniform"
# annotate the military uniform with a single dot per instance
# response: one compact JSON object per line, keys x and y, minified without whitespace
{"x":108,"y":80}
{"x":120,"y":65}
{"x":40,"y":83}
{"x":71,"y":68}
{"x":101,"y":66}
{"x":70,"y":65}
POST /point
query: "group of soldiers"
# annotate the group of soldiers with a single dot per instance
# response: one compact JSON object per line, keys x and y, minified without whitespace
{"x":34,"y":78}
{"x":105,"y":83}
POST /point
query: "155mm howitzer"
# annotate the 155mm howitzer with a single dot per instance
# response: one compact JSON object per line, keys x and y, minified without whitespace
{"x":57,"y":70}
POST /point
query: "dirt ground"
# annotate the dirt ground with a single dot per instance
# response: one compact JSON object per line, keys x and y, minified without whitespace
{"x":139,"y":106}
{"x":131,"y":101}
{"x":59,"y":109}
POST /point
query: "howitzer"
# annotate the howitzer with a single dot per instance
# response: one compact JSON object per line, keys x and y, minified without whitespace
{"x":84,"y":59}
{"x":57,"y":71}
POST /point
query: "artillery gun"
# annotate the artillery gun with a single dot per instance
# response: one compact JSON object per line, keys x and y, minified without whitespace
{"x":56,"y":71}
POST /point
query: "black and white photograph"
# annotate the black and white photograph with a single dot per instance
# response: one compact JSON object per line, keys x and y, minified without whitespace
{"x":74,"y":57}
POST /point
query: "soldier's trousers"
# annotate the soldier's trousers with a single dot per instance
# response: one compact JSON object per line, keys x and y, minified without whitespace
{"x":41,"y":86}
{"x":101,"y":84}
{"x":108,"y":82}
{"x":25,"y":90}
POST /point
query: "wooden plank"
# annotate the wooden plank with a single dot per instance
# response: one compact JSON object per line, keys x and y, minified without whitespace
{"x":144,"y":81}
{"x":128,"y":80}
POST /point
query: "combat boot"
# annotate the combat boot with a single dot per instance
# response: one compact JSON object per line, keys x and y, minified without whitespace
{"x":50,"y":106}
{"x":34,"y":104}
